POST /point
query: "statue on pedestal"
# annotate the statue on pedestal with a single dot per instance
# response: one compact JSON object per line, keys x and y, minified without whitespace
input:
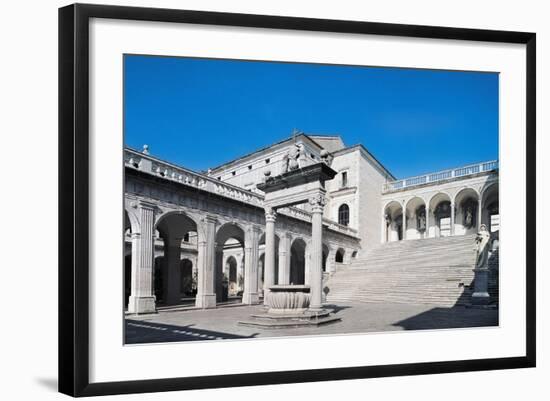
{"x":326,"y":157}
{"x":481,"y":246}
{"x":481,"y":294}
{"x":469,"y":210}
{"x":290,"y":159}
{"x":421,"y":219}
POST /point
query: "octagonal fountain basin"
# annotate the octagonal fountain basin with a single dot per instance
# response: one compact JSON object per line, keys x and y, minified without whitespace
{"x":288,"y":299}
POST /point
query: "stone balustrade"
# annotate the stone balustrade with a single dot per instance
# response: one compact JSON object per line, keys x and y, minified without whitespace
{"x":168,"y":171}
{"x":440,"y":176}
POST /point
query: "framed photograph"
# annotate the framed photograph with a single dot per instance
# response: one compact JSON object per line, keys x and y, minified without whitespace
{"x":252,"y":199}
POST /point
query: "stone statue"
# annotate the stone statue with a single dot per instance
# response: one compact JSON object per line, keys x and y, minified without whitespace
{"x":481,"y":247}
{"x":387,"y":217}
{"x":421,"y":220}
{"x":326,"y":157}
{"x":290,"y":159}
{"x":468,"y":217}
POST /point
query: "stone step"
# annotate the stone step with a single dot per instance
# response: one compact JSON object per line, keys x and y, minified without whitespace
{"x":425,"y":271}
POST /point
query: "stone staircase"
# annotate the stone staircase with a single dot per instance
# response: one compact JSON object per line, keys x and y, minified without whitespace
{"x":435,"y":271}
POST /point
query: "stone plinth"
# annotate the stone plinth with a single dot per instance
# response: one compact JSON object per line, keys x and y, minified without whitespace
{"x":289,"y":307}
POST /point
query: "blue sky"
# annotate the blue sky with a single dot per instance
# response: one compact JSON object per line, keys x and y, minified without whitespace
{"x":200,"y":113}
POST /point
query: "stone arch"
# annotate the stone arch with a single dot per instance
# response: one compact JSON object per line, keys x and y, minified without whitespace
{"x":229,"y":236}
{"x":466,"y":203}
{"x":416,"y":224}
{"x":172,"y":227}
{"x":131,"y":221}
{"x":490,"y":207}
{"x":185,"y":221}
{"x":298,"y":261}
{"x":393,"y":219}
{"x":440,"y":214}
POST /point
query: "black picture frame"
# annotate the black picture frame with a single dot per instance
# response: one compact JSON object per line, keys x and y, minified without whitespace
{"x":74,"y":198}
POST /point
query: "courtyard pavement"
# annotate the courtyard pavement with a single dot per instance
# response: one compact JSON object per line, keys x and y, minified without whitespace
{"x":221,"y":323}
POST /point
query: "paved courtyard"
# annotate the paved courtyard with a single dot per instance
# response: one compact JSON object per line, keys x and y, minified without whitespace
{"x":221,"y":323}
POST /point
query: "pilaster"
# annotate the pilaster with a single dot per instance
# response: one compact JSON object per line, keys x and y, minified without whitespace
{"x":206,"y":297}
{"x":250,"y":293}
{"x":142,"y":299}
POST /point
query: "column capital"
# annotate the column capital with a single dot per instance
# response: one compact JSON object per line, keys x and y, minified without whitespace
{"x":317,"y":203}
{"x":270,"y":214}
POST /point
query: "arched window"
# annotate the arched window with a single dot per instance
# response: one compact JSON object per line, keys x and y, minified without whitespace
{"x":343,"y":214}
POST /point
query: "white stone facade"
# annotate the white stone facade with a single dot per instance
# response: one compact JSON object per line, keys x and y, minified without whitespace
{"x":202,"y":236}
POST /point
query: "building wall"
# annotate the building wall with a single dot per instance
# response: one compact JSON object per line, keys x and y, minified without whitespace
{"x":371,"y":180}
{"x":338,"y":194}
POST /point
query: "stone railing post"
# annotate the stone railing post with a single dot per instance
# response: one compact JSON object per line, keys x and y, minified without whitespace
{"x":142,"y":299}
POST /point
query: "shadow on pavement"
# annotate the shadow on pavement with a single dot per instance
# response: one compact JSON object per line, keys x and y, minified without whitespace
{"x":335,"y":308}
{"x":450,"y":318}
{"x":140,"y":332}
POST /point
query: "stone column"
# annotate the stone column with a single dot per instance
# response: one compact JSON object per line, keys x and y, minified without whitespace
{"x":307,"y":263}
{"x":218,"y":271}
{"x":479,"y":214}
{"x":316,"y":270}
{"x":452,"y":218}
{"x":251,"y":251}
{"x":206,"y":297}
{"x":284,"y":259}
{"x":171,"y":270}
{"x":269,"y":258}
{"x":427,"y":233}
{"x":142,"y":299}
{"x":404,"y":227}
{"x":240,"y":272}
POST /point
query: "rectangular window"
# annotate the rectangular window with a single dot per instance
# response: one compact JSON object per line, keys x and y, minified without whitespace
{"x":344,"y":182}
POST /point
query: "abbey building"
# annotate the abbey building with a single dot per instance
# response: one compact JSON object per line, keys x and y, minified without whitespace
{"x":199,"y":238}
